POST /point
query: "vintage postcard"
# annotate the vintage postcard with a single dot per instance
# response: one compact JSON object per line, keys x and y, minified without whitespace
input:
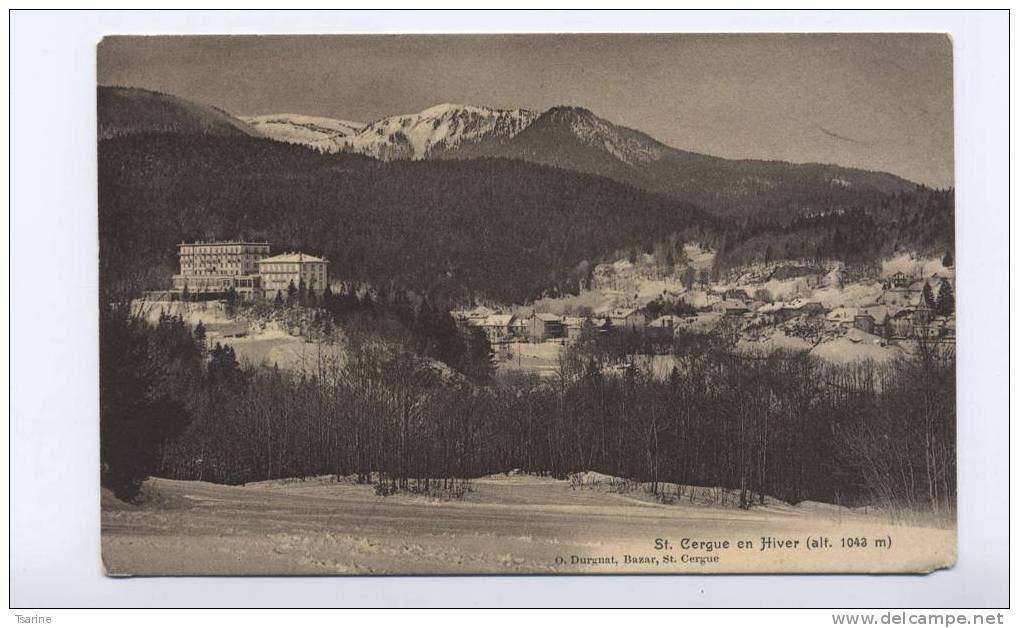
{"x":527,"y":304}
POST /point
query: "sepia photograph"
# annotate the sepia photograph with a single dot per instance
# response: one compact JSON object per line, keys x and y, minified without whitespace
{"x":526,"y":304}
{"x":318,"y":315}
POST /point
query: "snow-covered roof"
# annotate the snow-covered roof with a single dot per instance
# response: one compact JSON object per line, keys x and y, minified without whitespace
{"x":842,"y":314}
{"x":701,"y":322}
{"x":732,"y":304}
{"x":545,"y":316}
{"x":768,"y":308}
{"x":799,"y":303}
{"x":292,"y":257}
{"x":877,"y":312}
{"x":498,"y":320}
{"x":622,"y":312}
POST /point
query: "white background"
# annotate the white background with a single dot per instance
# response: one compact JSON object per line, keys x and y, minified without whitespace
{"x":54,"y":449}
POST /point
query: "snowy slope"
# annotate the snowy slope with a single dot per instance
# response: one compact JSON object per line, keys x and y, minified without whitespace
{"x":507,"y":524}
{"x":318,"y":132}
{"x":439,"y":128}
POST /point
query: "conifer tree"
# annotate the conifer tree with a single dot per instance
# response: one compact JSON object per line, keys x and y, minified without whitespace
{"x":136,"y":415}
{"x":927,"y":297}
{"x":200,"y":335}
{"x":689,"y":276}
{"x":480,"y":358}
{"x":946,"y":299}
{"x":223,"y":367}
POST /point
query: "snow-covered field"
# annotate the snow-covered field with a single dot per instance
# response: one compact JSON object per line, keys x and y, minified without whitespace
{"x":274,"y":347}
{"x":534,"y":357}
{"x":507,"y":524}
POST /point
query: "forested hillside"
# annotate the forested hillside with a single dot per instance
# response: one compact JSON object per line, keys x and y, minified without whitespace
{"x":129,"y":110}
{"x":920,"y":220}
{"x":505,"y":229}
{"x":499,"y":228}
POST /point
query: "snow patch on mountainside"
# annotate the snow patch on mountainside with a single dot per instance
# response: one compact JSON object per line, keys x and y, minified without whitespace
{"x":442,"y":127}
{"x":315,"y":131}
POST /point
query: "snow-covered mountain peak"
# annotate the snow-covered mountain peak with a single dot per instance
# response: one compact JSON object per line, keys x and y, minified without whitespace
{"x":442,"y":109}
{"x":438,"y":128}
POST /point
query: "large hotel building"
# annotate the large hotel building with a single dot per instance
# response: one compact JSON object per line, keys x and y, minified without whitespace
{"x":216,"y":267}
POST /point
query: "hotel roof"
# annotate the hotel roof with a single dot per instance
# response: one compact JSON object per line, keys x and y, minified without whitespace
{"x":223,"y":243}
{"x":292,"y":257}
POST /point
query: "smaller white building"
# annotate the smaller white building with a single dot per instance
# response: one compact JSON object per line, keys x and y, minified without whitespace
{"x":279,"y":271}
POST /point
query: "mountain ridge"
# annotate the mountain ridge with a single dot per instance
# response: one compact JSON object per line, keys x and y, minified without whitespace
{"x":568,"y":137}
{"x":575,"y":138}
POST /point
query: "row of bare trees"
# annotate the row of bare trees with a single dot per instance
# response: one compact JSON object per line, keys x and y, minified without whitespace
{"x":778,"y":424}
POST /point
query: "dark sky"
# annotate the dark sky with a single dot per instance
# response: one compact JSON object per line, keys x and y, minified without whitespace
{"x":876,"y":101}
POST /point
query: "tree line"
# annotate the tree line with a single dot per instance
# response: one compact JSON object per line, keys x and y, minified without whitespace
{"x":784,"y":425}
{"x":921,"y":220}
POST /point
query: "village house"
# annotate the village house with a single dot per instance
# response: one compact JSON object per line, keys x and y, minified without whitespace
{"x":903,"y":322}
{"x":573,"y":326}
{"x":543,"y":326}
{"x":519,"y":327}
{"x":731,"y":307}
{"x":872,"y":319}
{"x":498,"y":327}
{"x":900,"y":324}
{"x":702,"y":323}
{"x":630,"y":319}
{"x":842,"y":317}
{"x":665,"y":326}
{"x":802,"y":307}
{"x":736,"y":294}
{"x":898,"y":280}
